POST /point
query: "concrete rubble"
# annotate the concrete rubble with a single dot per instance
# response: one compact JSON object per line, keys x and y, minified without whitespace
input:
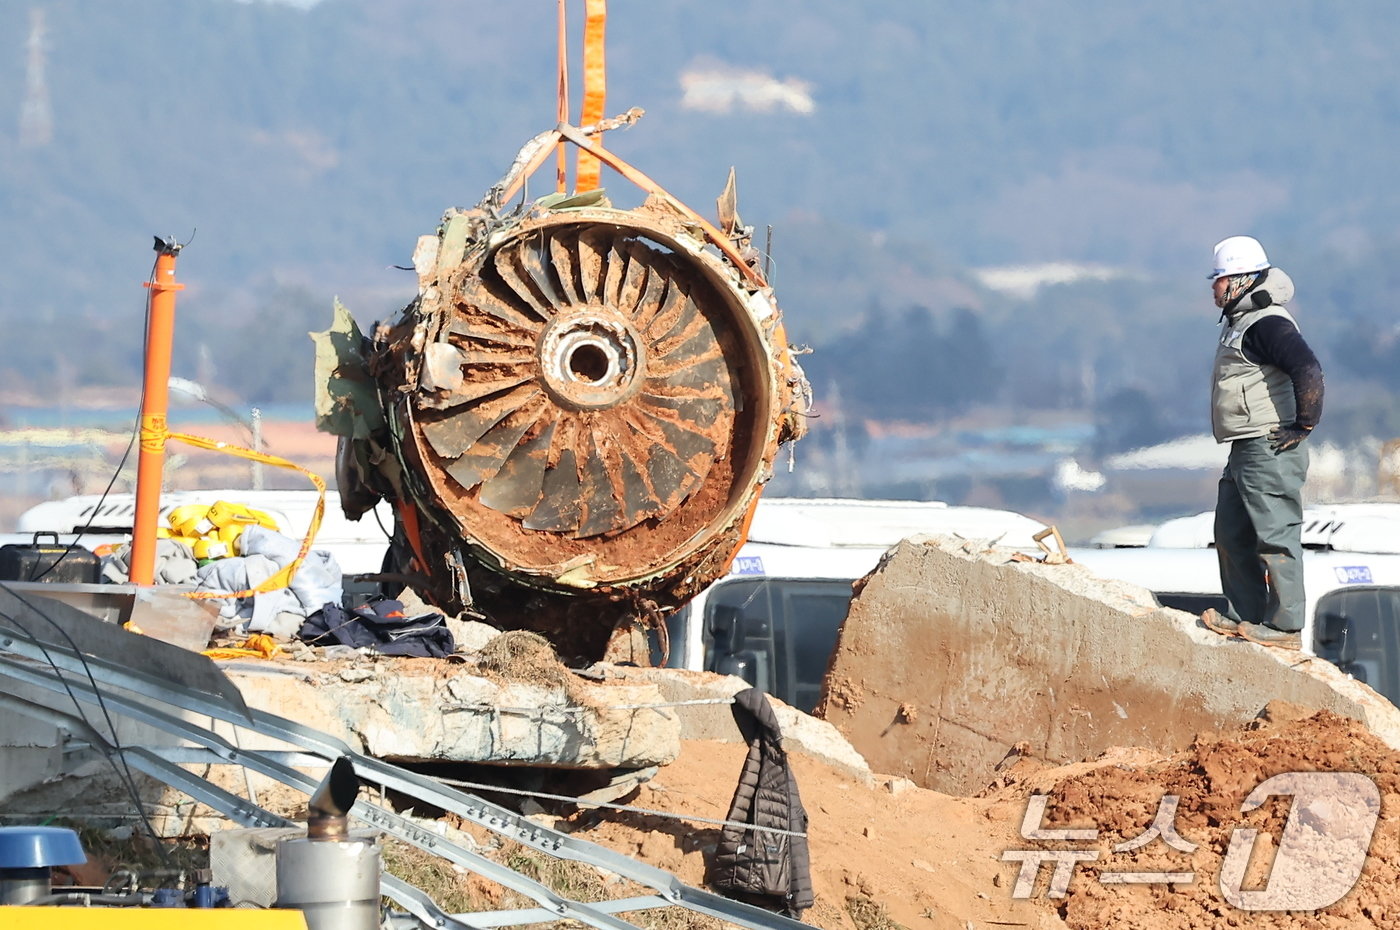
{"x":960,"y":669}
{"x":419,"y":711}
{"x":714,"y":720}
{"x":956,"y":660}
{"x":1011,"y":659}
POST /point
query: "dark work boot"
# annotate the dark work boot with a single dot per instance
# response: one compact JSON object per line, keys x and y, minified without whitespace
{"x":1217,"y":622}
{"x":1268,"y":636}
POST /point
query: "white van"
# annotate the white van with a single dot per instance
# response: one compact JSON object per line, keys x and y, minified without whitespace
{"x":358,"y":547}
{"x":1351,"y":573}
{"x":774,"y":618}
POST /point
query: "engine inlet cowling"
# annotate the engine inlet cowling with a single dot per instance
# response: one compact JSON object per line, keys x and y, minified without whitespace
{"x":584,"y":403}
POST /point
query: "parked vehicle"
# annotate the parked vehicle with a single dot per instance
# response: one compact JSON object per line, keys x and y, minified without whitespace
{"x":358,"y":547}
{"x":773,"y":620}
{"x":1351,"y":573}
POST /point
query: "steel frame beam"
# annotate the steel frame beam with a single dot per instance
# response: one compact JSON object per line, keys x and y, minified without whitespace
{"x":39,"y":664}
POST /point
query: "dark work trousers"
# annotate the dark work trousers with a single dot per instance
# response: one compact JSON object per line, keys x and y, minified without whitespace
{"x":1258,"y":533}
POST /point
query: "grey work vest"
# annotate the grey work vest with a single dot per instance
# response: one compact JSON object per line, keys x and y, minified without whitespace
{"x":1248,"y":400}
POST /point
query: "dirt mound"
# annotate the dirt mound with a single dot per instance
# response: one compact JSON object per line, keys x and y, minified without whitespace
{"x":888,"y":854}
{"x":897,"y":853}
{"x":1120,"y":795}
{"x":881,"y":853}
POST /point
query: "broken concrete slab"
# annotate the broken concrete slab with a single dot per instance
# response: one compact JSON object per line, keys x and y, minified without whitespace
{"x":953,"y":656}
{"x":471,"y":635}
{"x":715,"y":721}
{"x":428,"y":711}
{"x":401,"y":710}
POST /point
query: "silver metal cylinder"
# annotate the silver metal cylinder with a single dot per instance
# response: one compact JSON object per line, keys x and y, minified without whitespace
{"x":334,"y":883}
{"x":20,"y":886}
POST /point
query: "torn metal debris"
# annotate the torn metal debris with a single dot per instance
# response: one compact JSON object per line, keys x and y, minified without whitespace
{"x":579,"y":410}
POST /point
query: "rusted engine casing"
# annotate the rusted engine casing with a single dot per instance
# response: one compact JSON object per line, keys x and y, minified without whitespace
{"x":581,"y":407}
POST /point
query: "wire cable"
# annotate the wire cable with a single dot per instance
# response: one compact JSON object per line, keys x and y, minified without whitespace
{"x":478,"y":786}
{"x":131,"y":443}
{"x":123,"y":771}
{"x":380,"y":520}
{"x":82,"y":531}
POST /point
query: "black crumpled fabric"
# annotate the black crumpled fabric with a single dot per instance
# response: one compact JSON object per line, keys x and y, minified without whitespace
{"x":380,"y":624}
{"x":772,"y":870}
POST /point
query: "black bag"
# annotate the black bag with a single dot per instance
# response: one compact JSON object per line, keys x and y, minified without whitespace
{"x":54,"y":563}
{"x":380,"y":624}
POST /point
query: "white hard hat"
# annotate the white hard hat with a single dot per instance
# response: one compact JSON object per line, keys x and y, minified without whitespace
{"x":1238,"y":255}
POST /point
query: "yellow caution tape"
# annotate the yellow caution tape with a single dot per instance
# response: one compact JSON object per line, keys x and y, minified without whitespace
{"x":257,"y":646}
{"x":283,"y":578}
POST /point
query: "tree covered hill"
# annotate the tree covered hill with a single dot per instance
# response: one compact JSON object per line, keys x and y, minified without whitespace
{"x":310,"y":148}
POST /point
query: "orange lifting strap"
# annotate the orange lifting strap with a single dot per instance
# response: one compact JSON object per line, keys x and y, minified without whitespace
{"x":595,"y":88}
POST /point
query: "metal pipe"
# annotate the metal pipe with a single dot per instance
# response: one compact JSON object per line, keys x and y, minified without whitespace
{"x":331,"y":875}
{"x":329,"y":808}
{"x":23,"y":886}
{"x":334,"y":884}
{"x":87,"y":899}
{"x":256,"y":418}
{"x":155,"y":408}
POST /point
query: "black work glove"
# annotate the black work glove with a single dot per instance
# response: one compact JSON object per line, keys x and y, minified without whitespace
{"x":1284,"y":438}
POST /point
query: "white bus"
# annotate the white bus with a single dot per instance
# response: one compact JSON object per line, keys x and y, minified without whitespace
{"x":773,"y":620}
{"x":358,"y":547}
{"x":1351,"y":574}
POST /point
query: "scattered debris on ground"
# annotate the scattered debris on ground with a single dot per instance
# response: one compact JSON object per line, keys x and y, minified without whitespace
{"x":887,"y":853}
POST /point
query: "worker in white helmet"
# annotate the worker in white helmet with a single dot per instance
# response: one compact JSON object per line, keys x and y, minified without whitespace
{"x":1266,"y":397}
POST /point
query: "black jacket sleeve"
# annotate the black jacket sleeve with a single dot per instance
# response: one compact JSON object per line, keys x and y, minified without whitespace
{"x":1275,"y":341}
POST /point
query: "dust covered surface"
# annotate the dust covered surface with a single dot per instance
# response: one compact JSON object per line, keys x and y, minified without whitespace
{"x":888,"y":854}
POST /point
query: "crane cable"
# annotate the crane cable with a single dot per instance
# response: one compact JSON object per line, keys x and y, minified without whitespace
{"x":562,"y":178}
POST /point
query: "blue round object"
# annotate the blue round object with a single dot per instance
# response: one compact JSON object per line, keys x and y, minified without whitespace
{"x":39,"y":847}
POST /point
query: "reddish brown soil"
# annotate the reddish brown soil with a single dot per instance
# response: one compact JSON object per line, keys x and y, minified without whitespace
{"x":1119,"y":794}
{"x":890,"y":851}
{"x":930,"y":859}
{"x":934,"y":861}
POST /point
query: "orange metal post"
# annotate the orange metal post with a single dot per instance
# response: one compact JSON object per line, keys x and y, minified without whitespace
{"x":155,"y":404}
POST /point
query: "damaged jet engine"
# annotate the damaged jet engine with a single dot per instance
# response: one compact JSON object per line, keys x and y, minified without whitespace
{"x":576,"y":415}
